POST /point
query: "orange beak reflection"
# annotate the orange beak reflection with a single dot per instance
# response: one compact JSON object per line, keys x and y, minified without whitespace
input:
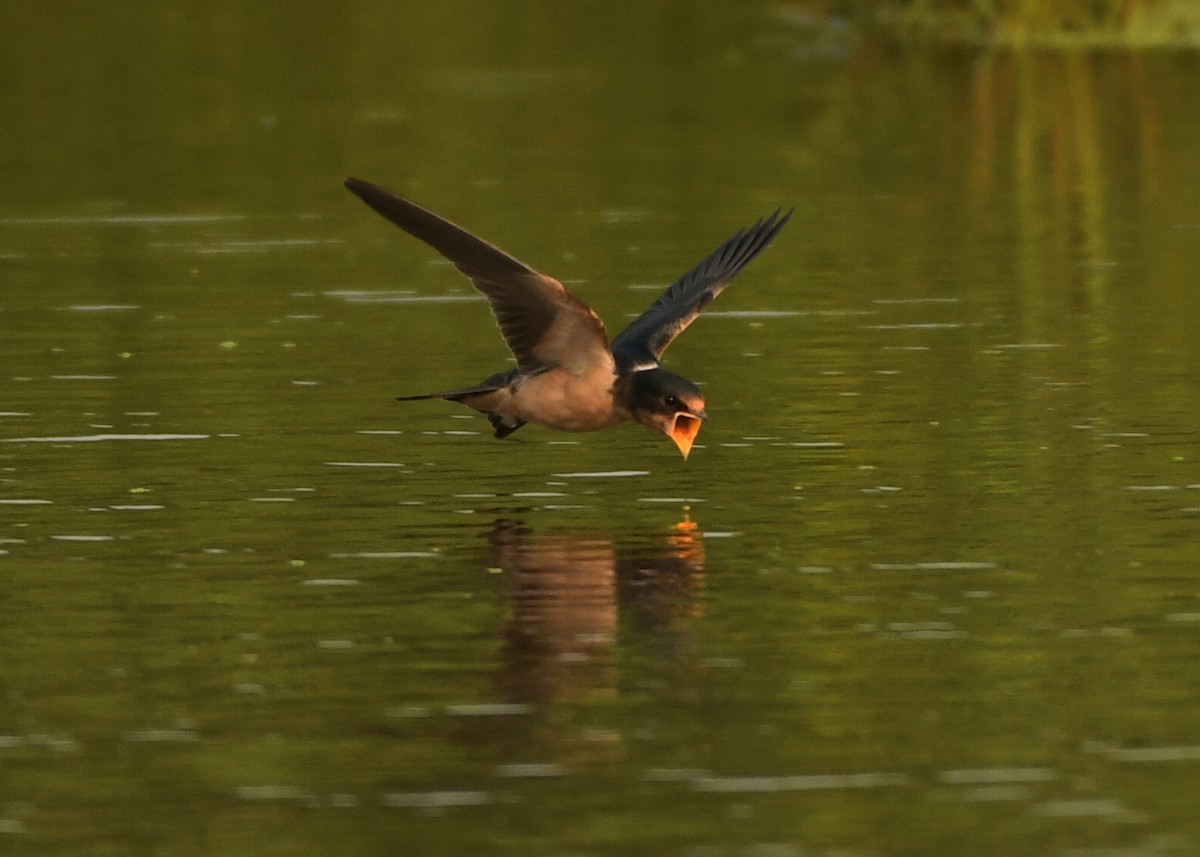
{"x":684,"y":429}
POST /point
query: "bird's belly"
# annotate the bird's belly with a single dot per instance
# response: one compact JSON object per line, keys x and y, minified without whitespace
{"x":568,"y":402}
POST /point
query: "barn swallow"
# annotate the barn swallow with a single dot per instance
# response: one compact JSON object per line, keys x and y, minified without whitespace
{"x":568,"y":376}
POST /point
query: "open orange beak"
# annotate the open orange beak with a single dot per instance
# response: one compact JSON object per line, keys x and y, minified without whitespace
{"x":684,"y":429}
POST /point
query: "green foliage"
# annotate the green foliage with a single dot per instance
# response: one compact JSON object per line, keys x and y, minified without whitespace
{"x":1044,"y":23}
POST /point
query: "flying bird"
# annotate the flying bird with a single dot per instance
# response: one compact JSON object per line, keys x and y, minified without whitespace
{"x":568,"y":375}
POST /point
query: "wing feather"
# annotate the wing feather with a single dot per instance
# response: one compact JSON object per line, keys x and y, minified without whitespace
{"x":642,"y":343}
{"x":544,"y":324}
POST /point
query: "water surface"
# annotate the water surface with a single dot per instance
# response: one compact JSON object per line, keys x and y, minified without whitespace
{"x":928,"y":583}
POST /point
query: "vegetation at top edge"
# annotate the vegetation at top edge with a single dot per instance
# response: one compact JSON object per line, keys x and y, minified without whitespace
{"x":1023,"y":23}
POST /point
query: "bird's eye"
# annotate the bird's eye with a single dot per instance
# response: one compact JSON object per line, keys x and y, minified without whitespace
{"x":672,"y":402}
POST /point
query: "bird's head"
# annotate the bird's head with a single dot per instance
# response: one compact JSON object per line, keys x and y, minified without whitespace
{"x":668,"y":403}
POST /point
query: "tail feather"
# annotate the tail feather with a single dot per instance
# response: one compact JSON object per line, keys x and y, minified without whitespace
{"x":497,"y":382}
{"x":452,"y":395}
{"x":488,"y":385}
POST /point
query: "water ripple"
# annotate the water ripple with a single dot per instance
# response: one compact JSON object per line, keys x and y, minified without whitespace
{"x":753,"y":313}
{"x":385,"y":555}
{"x":800,"y":782}
{"x":161,"y":736}
{"x":271,"y":792}
{"x":488,"y":709}
{"x":123,"y":220}
{"x":928,"y":325}
{"x":401,"y":297}
{"x":363,"y":464}
{"x":602,"y":474}
{"x":932,"y":566}
{"x":1143,"y":755}
{"x":436,"y":800}
{"x":530,"y":770}
{"x":96,"y":438}
{"x":997,"y":776}
{"x":1087,"y":808}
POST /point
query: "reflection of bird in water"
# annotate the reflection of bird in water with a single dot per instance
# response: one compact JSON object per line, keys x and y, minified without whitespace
{"x":568,"y":376}
{"x":656,"y":587}
{"x":569,"y":593}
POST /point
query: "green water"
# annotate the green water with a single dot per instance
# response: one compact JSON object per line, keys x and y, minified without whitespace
{"x":929,"y":583}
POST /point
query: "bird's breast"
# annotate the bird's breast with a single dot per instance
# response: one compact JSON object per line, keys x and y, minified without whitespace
{"x":567,"y":401}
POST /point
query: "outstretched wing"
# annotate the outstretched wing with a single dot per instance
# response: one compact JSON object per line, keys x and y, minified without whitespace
{"x":544,"y":325}
{"x":642,"y":343}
